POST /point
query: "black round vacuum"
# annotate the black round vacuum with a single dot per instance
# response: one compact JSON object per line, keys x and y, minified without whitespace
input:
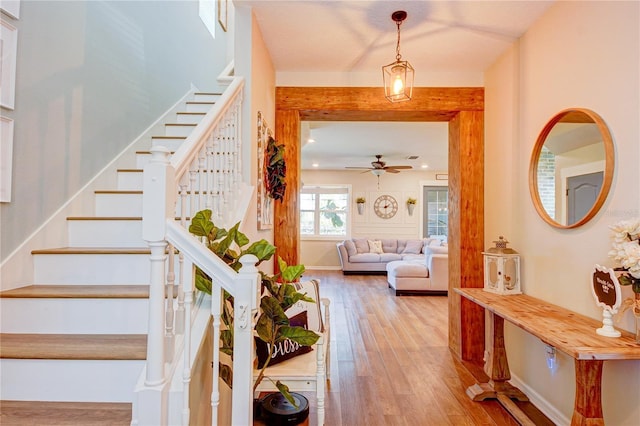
{"x":277,"y":411}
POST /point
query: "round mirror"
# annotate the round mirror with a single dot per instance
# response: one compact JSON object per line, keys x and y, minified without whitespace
{"x":571,"y":168}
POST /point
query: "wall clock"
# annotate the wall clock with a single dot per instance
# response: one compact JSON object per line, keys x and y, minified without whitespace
{"x":385,"y":206}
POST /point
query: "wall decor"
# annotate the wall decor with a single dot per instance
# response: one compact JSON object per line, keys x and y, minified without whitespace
{"x":223,"y":14}
{"x":385,"y":206}
{"x":6,"y":156}
{"x":8,"y":47}
{"x":265,"y":208}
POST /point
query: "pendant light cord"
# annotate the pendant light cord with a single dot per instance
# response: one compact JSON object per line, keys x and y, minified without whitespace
{"x":398,"y":56}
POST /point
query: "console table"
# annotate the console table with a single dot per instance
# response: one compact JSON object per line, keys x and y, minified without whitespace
{"x":567,"y":331}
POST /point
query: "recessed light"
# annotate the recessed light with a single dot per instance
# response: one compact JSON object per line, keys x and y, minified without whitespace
{"x":425,"y":166}
{"x":315,"y":165}
{"x":310,"y":140}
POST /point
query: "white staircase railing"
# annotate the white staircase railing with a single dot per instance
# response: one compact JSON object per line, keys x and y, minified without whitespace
{"x":204,"y":173}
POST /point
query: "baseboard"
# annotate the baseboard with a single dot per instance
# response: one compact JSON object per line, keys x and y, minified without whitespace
{"x":322,"y":268}
{"x":542,"y":404}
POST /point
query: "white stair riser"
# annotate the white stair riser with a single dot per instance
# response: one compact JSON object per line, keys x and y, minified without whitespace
{"x":74,"y":316}
{"x":208,"y":97}
{"x":198,"y":107}
{"x":118,"y":205}
{"x":130,"y":181}
{"x":189,"y":118}
{"x":142,"y":160}
{"x":69,"y":380}
{"x":171,"y":144}
{"x":91,"y":268}
{"x":105,"y":233}
{"x":182,"y":130}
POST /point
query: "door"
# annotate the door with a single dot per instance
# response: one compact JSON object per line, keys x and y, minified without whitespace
{"x":582,"y":192}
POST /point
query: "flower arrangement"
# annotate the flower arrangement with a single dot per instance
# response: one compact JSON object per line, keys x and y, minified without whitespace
{"x":360,"y":200}
{"x":626,"y":251}
{"x":411,"y":200}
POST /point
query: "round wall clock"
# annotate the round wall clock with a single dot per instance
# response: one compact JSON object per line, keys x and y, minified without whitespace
{"x":385,"y":206}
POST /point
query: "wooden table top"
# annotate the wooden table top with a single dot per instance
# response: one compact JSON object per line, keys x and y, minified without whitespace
{"x":568,"y":331}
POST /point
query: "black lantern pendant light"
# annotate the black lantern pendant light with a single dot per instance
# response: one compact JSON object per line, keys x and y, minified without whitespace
{"x":398,"y":75}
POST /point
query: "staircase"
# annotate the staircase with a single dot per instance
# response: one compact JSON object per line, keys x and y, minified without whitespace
{"x":73,"y":344}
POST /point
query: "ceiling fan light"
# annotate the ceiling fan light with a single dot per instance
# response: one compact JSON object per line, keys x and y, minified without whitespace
{"x":377,"y":172}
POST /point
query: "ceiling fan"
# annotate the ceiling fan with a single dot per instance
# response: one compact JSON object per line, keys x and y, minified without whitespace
{"x":379,"y":167}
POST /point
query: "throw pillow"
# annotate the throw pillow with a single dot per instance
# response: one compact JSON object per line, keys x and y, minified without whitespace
{"x":351,"y":247}
{"x":285,"y":349}
{"x":362,"y":245}
{"x":311,"y":289}
{"x":375,"y":246}
{"x":413,"y":247}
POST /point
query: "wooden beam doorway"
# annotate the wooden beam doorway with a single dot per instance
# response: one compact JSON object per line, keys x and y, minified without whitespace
{"x":463,"y":109}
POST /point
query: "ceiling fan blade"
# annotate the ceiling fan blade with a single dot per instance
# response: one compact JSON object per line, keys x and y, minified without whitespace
{"x":399,"y":167}
{"x":389,"y":170}
{"x":360,"y":168}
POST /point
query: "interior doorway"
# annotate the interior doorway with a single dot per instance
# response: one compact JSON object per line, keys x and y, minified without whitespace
{"x":463,"y":109}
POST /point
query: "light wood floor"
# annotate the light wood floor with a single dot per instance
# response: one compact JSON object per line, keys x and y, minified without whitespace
{"x":390,"y":363}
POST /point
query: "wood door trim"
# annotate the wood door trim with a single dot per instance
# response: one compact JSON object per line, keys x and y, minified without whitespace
{"x":463,"y":108}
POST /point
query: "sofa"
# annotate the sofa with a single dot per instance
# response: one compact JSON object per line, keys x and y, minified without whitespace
{"x":427,"y":276}
{"x":364,"y":255}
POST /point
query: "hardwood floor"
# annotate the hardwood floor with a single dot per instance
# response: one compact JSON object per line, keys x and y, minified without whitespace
{"x":390,"y":363}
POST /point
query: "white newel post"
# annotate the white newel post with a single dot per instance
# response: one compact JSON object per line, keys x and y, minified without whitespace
{"x":158,"y":203}
{"x":245,"y":305}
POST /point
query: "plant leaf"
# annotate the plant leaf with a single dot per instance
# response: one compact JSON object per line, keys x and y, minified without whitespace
{"x":292,"y":273}
{"x":201,"y":224}
{"x":272,"y":309}
{"x":203,"y":282}
{"x":299,"y":335}
{"x":226,"y":373}
{"x":262,"y":249}
{"x":284,"y":390}
{"x":265,"y":328}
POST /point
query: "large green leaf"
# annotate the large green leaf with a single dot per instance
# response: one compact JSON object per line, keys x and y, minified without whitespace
{"x":265,"y":328}
{"x":284,"y":390}
{"x":201,"y":223}
{"x":226,"y":373}
{"x":292,"y":273}
{"x":262,"y":249}
{"x":272,"y":309}
{"x":299,"y":335}
{"x":203,"y":282}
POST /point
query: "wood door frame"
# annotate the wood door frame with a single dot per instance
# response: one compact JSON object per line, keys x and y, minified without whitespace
{"x":463,"y":109}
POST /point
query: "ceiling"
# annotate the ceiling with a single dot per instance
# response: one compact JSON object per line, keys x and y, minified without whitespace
{"x":447,"y":37}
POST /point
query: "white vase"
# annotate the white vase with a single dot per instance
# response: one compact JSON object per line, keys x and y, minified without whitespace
{"x":360,"y":208}
{"x":410,"y":208}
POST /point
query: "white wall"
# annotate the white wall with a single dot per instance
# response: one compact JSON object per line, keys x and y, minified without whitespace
{"x":322,"y":253}
{"x":91,"y":77}
{"x":253,"y":61}
{"x":579,"y":54}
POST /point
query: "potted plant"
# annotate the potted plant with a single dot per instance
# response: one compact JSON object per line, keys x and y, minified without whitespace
{"x":278,"y":294}
{"x":411,"y":204}
{"x":360,"y":203}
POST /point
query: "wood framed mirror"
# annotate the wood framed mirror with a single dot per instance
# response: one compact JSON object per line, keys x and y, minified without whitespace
{"x":571,"y":168}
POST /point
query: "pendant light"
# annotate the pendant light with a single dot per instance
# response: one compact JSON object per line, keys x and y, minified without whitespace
{"x":398,"y":75}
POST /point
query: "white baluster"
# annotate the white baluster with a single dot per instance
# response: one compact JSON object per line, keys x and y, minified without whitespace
{"x":187,"y":288}
{"x":216,"y":306}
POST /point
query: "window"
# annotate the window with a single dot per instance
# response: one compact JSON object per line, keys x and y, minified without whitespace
{"x":207,"y":12}
{"x":323,"y":211}
{"x":436,"y":211}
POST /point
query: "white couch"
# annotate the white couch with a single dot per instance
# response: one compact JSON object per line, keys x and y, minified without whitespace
{"x":357,"y":255}
{"x":430,"y":275}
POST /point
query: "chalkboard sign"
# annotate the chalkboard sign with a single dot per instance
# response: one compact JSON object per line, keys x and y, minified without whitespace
{"x":606,"y":290}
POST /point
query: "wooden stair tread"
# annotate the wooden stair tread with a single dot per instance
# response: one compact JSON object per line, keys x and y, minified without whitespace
{"x":168,"y":137}
{"x":200,"y":103}
{"x":191,"y":113}
{"x":149,"y":152}
{"x":19,"y":413}
{"x":92,"y":250}
{"x":78,"y":292}
{"x":130,"y":170}
{"x":74,"y":346}
{"x":208,"y":93}
{"x":180,"y":124}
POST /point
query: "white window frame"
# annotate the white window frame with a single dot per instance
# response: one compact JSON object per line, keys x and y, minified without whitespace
{"x":327,"y":189}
